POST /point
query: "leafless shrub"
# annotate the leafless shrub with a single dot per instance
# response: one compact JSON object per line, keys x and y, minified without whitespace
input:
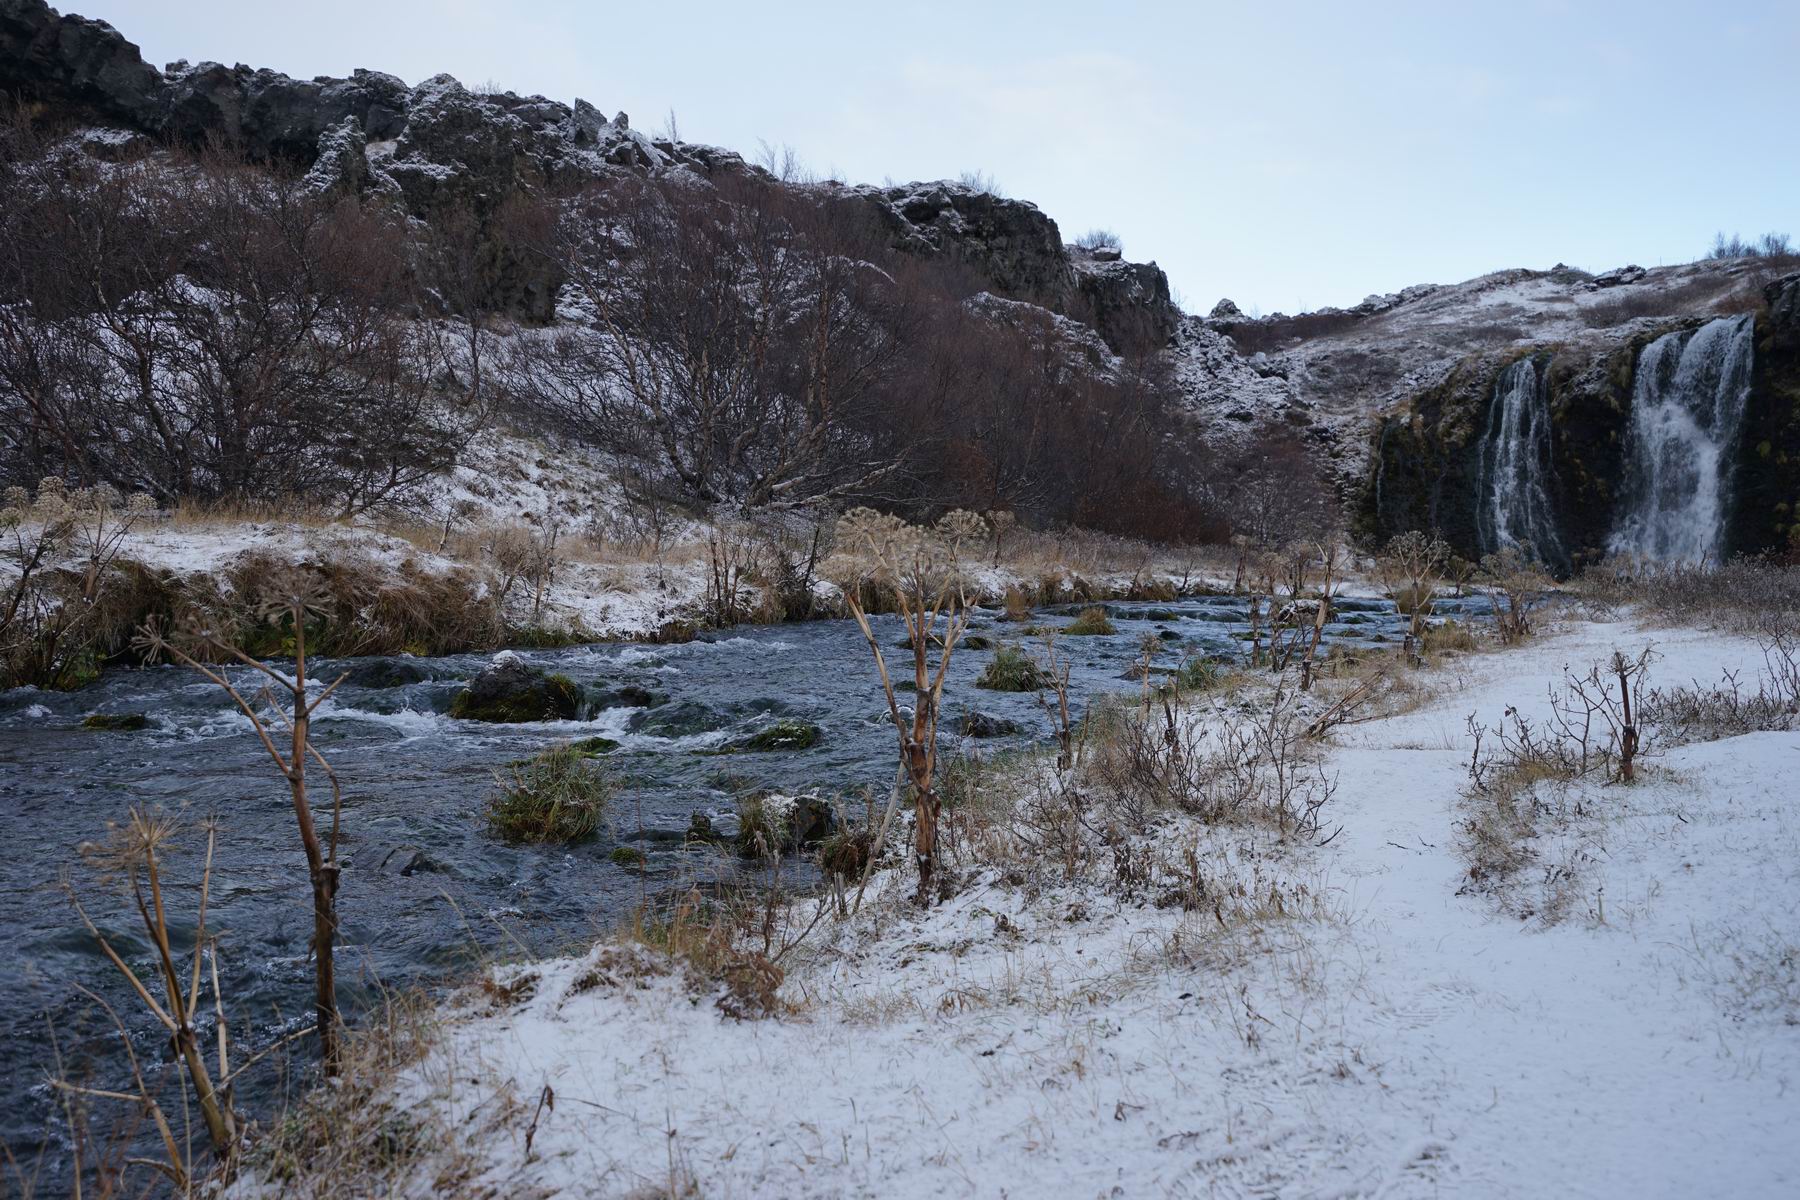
{"x":58,"y":549}
{"x":1511,"y":581}
{"x":980,"y":181}
{"x":1100,"y":239}
{"x":1523,"y":772}
{"x":1744,"y":593}
{"x":1695,"y":713}
{"x":1770,"y":245}
{"x":1628,"y":304}
{"x":201,"y":326}
{"x":732,"y":558}
{"x":1232,"y":766}
{"x":1411,"y":568}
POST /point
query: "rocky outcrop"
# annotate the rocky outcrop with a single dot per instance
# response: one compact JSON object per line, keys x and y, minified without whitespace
{"x":81,"y":66}
{"x":1017,"y":253}
{"x":509,"y":692}
{"x":1128,"y":303}
{"x":1766,"y":515}
{"x":1427,"y":471}
{"x":441,"y":147}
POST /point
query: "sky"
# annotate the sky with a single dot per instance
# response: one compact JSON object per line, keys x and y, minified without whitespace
{"x":1288,"y":156}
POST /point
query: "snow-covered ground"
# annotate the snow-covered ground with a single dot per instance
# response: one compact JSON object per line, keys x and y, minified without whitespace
{"x":1348,"y":1020}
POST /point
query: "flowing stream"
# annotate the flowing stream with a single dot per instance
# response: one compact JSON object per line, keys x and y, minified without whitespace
{"x":426,"y":889}
{"x":1515,"y":510}
{"x":1687,"y":405}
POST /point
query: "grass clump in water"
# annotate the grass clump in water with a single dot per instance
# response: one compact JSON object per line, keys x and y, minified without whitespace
{"x":1012,"y":670}
{"x":1092,"y":622}
{"x":558,"y":795}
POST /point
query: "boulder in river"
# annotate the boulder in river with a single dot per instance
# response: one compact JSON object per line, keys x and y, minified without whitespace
{"x":625,"y":696}
{"x":117,"y":722}
{"x":785,"y":734}
{"x":510,"y":692}
{"x":982,"y":725}
{"x":385,"y":673}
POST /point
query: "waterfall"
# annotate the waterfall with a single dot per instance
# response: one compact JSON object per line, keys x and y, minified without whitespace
{"x":1514,"y":502}
{"x":1687,"y":404}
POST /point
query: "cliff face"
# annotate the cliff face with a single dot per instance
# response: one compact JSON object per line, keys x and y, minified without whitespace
{"x":1767,"y":513}
{"x":439,"y":146}
{"x":1427,"y":469}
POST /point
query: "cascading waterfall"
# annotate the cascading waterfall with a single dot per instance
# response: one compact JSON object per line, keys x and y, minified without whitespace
{"x":1687,"y":405}
{"x":1514,"y":510}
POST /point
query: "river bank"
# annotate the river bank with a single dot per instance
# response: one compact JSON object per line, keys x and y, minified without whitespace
{"x":428,"y":891}
{"x":1195,"y":1006}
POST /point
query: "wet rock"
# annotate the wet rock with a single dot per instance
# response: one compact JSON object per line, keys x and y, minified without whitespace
{"x":786,"y":734}
{"x":811,"y":821}
{"x":701,"y":830}
{"x":625,"y":696}
{"x":984,"y":725}
{"x":384,"y":673}
{"x":782,"y":823}
{"x":591,"y":746}
{"x":684,"y":718}
{"x":510,"y":692}
{"x":117,"y":722}
{"x":407,"y":861}
{"x":627,"y":856}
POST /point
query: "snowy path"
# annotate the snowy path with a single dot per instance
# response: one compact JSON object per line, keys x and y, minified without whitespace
{"x":1590,"y":1058}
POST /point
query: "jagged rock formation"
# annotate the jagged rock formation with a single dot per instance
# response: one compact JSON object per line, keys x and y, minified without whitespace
{"x":439,"y":146}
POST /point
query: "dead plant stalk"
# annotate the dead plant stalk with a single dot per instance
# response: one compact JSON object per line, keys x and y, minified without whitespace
{"x":295,"y":722}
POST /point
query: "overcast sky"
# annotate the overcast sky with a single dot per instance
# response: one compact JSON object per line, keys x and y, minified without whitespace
{"x":1287,"y":155}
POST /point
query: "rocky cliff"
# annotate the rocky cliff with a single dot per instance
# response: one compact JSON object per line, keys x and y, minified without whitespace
{"x":439,"y":146}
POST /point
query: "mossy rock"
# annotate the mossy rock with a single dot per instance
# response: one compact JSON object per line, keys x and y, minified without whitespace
{"x":773,"y":823}
{"x":591,"y":746}
{"x":117,"y":722}
{"x":977,"y":641}
{"x":684,"y":718}
{"x":628,"y":856}
{"x":785,"y":734}
{"x":510,"y":693}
